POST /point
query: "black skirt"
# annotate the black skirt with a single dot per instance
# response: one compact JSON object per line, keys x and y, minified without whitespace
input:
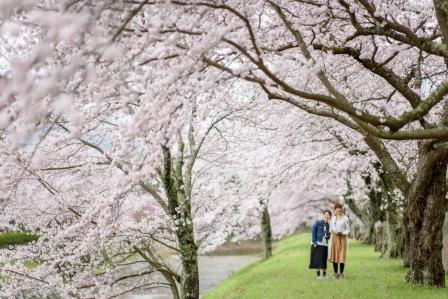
{"x":318,"y":257}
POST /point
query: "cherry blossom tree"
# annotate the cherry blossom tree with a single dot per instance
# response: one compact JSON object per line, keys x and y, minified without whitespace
{"x":70,"y":169}
{"x":86,"y":226}
{"x":378,"y":68}
{"x":268,"y":169}
{"x":329,"y":60}
{"x":80,"y":83}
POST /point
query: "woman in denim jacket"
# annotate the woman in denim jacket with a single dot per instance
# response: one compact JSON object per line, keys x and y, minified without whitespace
{"x":319,"y":244}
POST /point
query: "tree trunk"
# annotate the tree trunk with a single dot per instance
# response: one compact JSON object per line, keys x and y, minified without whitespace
{"x":173,"y":286}
{"x":373,"y":215}
{"x":395,"y":238}
{"x":179,"y":208}
{"x":426,"y":212}
{"x":369,"y":232}
{"x":393,"y":243}
{"x":189,"y":258}
{"x":365,"y":215}
{"x":407,"y":240}
{"x":393,"y":179}
{"x":379,"y":237}
{"x":266,"y":233}
{"x":377,"y":230}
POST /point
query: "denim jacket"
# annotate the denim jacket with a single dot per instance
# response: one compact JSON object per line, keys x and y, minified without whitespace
{"x":318,"y":233}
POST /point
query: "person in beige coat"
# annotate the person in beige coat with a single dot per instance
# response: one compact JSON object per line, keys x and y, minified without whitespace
{"x":339,"y":228}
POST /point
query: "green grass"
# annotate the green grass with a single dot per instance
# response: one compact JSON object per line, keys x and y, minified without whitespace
{"x":16,"y":238}
{"x":286,"y":275}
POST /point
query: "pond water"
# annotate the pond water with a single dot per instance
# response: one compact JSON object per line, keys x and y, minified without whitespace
{"x":212,"y":271}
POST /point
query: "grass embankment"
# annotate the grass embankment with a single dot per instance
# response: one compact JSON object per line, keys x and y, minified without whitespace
{"x":12,"y":238}
{"x":286,"y":275}
{"x":16,"y":238}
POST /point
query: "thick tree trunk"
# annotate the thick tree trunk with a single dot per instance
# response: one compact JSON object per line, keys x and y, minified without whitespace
{"x":426,"y":211}
{"x":189,"y":258}
{"x":266,"y":233}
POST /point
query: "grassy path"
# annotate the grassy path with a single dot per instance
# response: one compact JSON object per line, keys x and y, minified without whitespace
{"x":286,"y":275}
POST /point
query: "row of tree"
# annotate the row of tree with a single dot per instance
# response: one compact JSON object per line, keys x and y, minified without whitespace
{"x":90,"y":92}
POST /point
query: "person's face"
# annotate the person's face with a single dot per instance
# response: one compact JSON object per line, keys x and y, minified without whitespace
{"x":326,"y":216}
{"x":338,"y":210}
